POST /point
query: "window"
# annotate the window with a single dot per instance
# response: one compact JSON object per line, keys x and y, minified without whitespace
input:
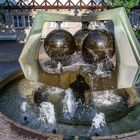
{"x":3,"y":17}
{"x":134,"y":18}
{"x":28,"y":21}
{"x":54,"y":24}
{"x":22,"y":21}
{"x":15,"y":21}
{"x":64,"y":24}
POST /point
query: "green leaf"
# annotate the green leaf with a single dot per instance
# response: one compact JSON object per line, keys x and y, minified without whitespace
{"x":127,"y":4}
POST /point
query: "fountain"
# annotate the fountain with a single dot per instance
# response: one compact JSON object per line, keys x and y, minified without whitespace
{"x":78,"y":90}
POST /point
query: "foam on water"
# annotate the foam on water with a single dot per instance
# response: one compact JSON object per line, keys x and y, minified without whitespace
{"x":23,"y":106}
{"x":55,"y":90}
{"x":98,"y":126}
{"x":36,"y":84}
{"x":47,"y":114}
{"x":105,"y":98}
{"x":99,"y":120}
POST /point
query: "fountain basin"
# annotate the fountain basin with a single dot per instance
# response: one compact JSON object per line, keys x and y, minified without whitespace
{"x":14,"y":79}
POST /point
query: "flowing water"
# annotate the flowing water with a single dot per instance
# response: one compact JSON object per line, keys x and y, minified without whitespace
{"x":99,"y":71}
{"x":76,"y":62}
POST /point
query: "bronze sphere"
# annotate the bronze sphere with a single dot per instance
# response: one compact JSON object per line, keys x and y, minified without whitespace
{"x":98,"y":45}
{"x":59,"y":44}
{"x":79,"y":36}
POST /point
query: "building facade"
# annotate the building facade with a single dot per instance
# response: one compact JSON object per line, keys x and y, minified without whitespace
{"x":16,"y":16}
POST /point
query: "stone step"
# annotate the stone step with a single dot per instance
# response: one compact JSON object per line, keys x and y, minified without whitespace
{"x":10,"y":51}
{"x":9,"y":56}
{"x":8,"y":67}
{"x":8,"y":37}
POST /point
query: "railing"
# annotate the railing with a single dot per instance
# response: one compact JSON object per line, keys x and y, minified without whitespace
{"x":56,"y":5}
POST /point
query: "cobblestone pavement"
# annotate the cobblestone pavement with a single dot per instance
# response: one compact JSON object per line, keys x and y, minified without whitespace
{"x":10,"y":132}
{"x":7,"y":130}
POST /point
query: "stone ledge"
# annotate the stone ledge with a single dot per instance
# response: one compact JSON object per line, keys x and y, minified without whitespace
{"x":8,"y":37}
{"x":9,"y":57}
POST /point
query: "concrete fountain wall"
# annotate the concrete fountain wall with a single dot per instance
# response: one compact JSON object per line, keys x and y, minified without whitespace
{"x":127,"y":48}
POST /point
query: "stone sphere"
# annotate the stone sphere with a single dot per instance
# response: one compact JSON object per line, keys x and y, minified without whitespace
{"x":59,"y":44}
{"x":79,"y":36}
{"x":98,"y":45}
